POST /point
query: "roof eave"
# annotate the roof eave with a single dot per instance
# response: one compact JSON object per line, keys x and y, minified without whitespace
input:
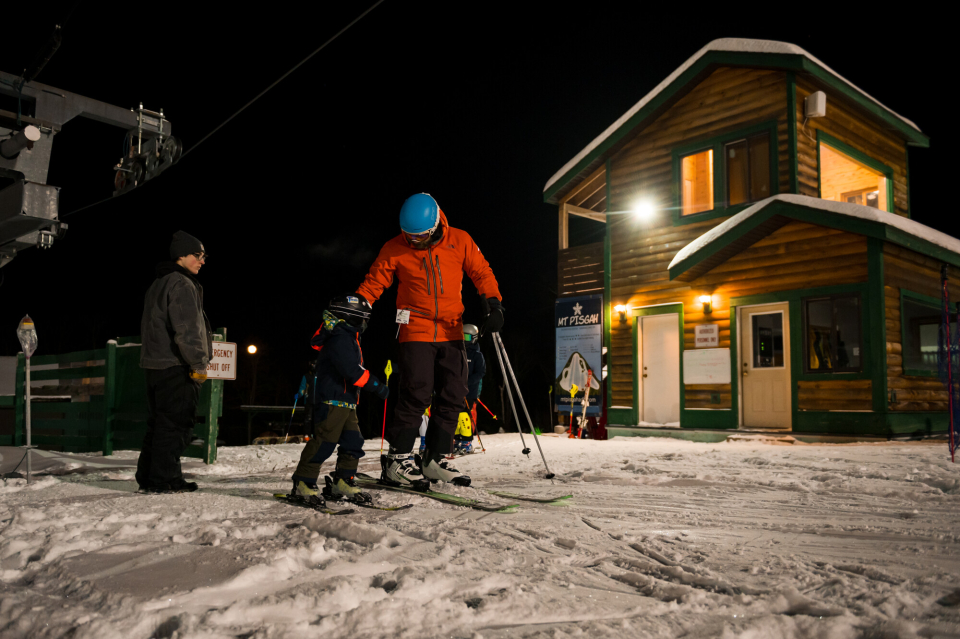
{"x":710,"y":60}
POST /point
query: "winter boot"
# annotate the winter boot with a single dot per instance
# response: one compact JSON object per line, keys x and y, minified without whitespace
{"x":438,"y":469}
{"x":307,"y":491}
{"x":343,"y":489}
{"x":462,"y":446}
{"x":402,"y":470}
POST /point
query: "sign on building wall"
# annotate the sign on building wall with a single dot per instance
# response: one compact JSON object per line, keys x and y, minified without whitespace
{"x":706,"y":367}
{"x":579,"y":352}
{"x":223,"y":361}
{"x":707,"y":335}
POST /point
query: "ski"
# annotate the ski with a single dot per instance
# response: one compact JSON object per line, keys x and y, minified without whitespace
{"x":373,"y":484}
{"x":366,"y":504}
{"x":537,"y":500}
{"x":305,"y":504}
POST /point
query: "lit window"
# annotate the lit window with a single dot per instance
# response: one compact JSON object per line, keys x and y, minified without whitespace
{"x":843,"y":179}
{"x":831,"y":330}
{"x":748,"y":169}
{"x":921,"y":335}
{"x":696,"y":182}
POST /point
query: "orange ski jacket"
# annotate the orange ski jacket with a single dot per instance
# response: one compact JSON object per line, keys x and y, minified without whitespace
{"x":430,"y":283}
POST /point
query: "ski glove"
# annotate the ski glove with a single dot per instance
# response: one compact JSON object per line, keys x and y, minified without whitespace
{"x":377,"y":387}
{"x":199,"y":375}
{"x":494,"y":312}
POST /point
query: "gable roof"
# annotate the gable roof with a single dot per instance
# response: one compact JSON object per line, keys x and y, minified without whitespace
{"x":766,"y":216}
{"x":722,"y":52}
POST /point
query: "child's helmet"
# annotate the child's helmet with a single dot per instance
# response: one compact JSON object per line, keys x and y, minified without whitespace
{"x":353,"y":309}
{"x":470,"y":333}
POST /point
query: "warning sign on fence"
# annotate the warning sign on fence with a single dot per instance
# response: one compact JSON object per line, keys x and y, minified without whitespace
{"x":223,"y":361}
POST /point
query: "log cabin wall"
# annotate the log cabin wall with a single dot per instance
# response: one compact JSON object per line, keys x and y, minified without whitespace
{"x":906,"y":270}
{"x":797,"y":256}
{"x":727,"y":100}
{"x":851,"y":127}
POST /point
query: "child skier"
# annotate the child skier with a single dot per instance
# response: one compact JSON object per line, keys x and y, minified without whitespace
{"x":476,"y":369}
{"x":336,"y":389}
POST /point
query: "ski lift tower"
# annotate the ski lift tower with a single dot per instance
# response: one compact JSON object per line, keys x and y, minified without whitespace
{"x":29,"y":207}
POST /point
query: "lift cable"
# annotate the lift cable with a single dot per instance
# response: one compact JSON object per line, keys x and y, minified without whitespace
{"x":244,"y":107}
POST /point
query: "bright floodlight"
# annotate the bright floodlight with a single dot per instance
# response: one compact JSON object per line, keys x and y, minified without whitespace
{"x":251,"y":349}
{"x":642,"y":209}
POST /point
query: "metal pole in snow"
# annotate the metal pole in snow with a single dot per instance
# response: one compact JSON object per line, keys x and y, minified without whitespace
{"x":29,"y":444}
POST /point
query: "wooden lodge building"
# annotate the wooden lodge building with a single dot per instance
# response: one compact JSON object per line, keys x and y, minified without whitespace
{"x":759,"y":266}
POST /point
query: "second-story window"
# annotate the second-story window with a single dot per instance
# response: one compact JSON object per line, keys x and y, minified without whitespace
{"x":747,"y":169}
{"x":696,"y":182}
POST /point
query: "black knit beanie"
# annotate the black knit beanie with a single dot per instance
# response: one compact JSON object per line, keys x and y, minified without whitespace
{"x":184,"y":244}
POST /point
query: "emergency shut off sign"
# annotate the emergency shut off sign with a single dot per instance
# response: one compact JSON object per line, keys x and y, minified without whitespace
{"x":223,"y":361}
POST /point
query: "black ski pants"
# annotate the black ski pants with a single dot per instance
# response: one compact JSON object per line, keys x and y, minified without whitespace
{"x":172,"y":398}
{"x":431,"y":374}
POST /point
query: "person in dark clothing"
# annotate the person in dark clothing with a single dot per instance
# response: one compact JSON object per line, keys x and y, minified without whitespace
{"x":336,"y":392}
{"x":176,"y":345}
{"x":476,"y":369}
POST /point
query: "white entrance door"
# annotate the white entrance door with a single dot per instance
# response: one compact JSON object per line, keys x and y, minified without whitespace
{"x":765,"y":366}
{"x":660,"y":368}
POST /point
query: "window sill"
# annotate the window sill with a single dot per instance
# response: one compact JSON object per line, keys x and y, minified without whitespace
{"x":909,"y":372}
{"x":680,"y":220}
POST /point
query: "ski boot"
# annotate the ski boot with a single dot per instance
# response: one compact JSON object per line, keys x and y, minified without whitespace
{"x":344,"y":489}
{"x":423,"y":444}
{"x":462,"y":447}
{"x":439,"y":469}
{"x":307,"y":491}
{"x":402,"y":470}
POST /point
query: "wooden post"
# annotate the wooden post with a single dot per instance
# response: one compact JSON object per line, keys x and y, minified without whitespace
{"x":109,"y":396}
{"x":564,"y":227}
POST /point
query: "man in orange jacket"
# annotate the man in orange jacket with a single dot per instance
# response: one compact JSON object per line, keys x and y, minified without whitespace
{"x":428,"y":259}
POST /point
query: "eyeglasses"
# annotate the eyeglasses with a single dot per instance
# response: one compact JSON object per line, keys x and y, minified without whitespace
{"x":203,"y":257}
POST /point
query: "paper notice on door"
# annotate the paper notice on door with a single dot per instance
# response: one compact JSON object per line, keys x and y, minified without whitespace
{"x":709,"y":366}
{"x":403,"y":316}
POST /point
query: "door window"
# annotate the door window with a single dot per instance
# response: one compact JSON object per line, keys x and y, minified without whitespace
{"x":767,"y":330}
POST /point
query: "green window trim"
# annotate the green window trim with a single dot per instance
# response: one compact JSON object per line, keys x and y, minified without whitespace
{"x":925,"y":300}
{"x":716,"y":144}
{"x":859,"y":156}
{"x":805,"y":333}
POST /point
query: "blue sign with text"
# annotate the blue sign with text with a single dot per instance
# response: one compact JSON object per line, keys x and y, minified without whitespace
{"x":579,"y":353}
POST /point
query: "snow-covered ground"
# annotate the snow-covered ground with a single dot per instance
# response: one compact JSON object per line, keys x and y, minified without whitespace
{"x":663,"y":538}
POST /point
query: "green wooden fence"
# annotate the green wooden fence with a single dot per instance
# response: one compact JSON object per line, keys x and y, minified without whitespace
{"x":113,"y":420}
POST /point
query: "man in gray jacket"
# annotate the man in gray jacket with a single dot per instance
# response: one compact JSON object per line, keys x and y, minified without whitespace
{"x":176,"y":345}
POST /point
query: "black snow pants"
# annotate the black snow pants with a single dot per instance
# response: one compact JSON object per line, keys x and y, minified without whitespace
{"x":431,"y":374}
{"x":172,"y":398}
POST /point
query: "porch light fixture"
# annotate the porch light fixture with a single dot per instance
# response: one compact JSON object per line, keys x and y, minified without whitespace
{"x":705,"y":300}
{"x":642,"y":210}
{"x":622,"y":310}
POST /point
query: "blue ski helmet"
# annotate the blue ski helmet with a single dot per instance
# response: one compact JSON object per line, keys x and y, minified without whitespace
{"x":419,"y":214}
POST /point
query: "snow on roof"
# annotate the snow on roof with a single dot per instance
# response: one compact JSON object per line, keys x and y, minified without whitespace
{"x":739,"y":45}
{"x":868,"y":213}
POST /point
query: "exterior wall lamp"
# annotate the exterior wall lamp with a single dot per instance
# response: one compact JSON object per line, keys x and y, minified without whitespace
{"x":705,"y":300}
{"x":622,"y":310}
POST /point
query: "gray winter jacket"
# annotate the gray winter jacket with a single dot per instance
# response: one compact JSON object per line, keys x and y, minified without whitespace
{"x":174,"y":330}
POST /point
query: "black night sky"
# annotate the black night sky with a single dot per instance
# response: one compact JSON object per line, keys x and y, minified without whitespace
{"x":477,"y":104}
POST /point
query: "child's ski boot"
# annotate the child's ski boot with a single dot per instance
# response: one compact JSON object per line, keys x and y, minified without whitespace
{"x":343,"y":489}
{"x":308,"y":492}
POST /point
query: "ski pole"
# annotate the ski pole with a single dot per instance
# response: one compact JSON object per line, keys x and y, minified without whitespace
{"x":473,"y":425}
{"x":506,"y":384}
{"x":383,"y":431}
{"x":526,"y":413}
{"x":296,"y":398}
{"x":586,"y":402}
{"x":487,"y":409}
